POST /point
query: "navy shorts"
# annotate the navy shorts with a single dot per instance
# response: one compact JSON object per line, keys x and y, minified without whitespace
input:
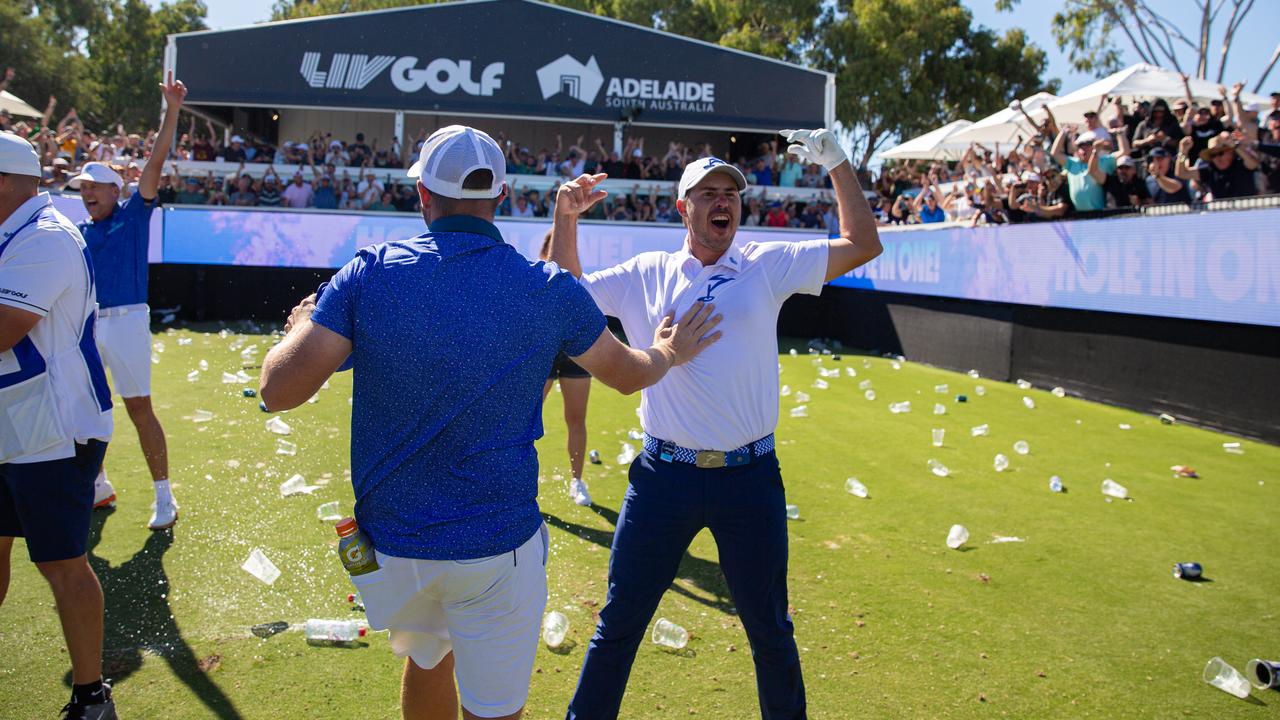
{"x":563,"y":367}
{"x":49,"y":503}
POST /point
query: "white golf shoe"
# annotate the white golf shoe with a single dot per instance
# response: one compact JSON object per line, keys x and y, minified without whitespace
{"x":163,"y":514}
{"x":103,"y":494}
{"x":578,"y":492}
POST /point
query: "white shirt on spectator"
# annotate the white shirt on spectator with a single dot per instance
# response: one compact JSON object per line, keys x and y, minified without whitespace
{"x":44,"y":270}
{"x":297,"y":196}
{"x":727,"y":396}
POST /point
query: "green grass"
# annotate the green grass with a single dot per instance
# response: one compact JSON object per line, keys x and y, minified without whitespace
{"x":1081,"y":620}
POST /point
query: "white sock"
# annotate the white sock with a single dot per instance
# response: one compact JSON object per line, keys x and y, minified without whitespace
{"x":163,"y":492}
{"x":102,"y":478}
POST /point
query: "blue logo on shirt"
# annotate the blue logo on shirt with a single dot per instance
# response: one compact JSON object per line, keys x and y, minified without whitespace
{"x":715,"y":281}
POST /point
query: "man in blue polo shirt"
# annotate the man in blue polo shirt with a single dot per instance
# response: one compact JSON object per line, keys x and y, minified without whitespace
{"x":118,"y":237}
{"x":451,"y":335}
{"x":708,"y":459}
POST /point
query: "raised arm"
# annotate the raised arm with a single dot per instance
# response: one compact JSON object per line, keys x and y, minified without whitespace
{"x":859,"y":240}
{"x":1058,"y":151}
{"x":572,"y":199}
{"x":4,"y":81}
{"x":1095,"y":171}
{"x":1182,"y":166}
{"x":174,"y":92}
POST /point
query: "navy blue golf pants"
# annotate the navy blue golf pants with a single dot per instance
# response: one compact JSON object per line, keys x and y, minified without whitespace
{"x":666,"y":505}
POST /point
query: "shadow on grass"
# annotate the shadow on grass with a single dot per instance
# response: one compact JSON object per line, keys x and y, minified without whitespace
{"x":705,"y":574}
{"x":138,"y":618}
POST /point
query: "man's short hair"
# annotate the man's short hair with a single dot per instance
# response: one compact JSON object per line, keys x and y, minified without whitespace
{"x":481,"y":179}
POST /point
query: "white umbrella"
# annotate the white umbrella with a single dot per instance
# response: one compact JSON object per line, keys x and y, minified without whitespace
{"x":16,"y":107}
{"x":933,"y":145}
{"x":1005,"y":126}
{"x":1141,"y":82}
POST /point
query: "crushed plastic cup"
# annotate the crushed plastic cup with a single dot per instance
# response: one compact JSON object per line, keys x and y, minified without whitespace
{"x":229,"y":379}
{"x":895,"y":365}
{"x":1233,"y":448}
{"x":193,"y":376}
{"x":800,"y":411}
{"x":278,"y":426}
{"x":296,"y":485}
{"x":1023,"y":384}
{"x":243,"y":377}
{"x":900,"y":407}
{"x":184,"y":341}
{"x":1059,"y":391}
{"x":793,"y":352}
{"x":203,"y":364}
{"x":554,"y":627}
{"x":158,"y":346}
{"x":854,"y":487}
{"x":1126,"y":426}
{"x":869,"y":394}
{"x":864,"y":385}
{"x":821,"y":384}
{"x":1226,"y":678}
{"x":979,"y":390}
{"x":329,"y":512}
{"x":973,"y":374}
{"x":938,"y":435}
{"x":793,"y":512}
{"x":669,"y":634}
{"x":1001,"y":463}
{"x":957,"y":537}
{"x":1167,"y":419}
{"x":941,"y":389}
{"x":1055,"y":484}
{"x":785,"y":391}
{"x":155,"y":359}
{"x":939,"y":409}
{"x":1111,"y":488}
{"x":938,"y":468}
{"x":635,"y":434}
{"x":284,"y":447}
{"x":802,"y":397}
{"x":627,"y":454}
{"x":201,"y":416}
{"x":850,"y":372}
{"x":979,"y":430}
{"x":1031,"y":404}
{"x":1021,"y":447}
{"x":261,"y":567}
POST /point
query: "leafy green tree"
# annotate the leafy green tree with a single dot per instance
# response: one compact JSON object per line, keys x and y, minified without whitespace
{"x":36,"y":43}
{"x":904,"y":67}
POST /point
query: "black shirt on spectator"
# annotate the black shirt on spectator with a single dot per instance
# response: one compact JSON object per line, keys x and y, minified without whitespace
{"x":1269,"y":157}
{"x":1236,"y":181}
{"x":1202,"y":133}
{"x":1162,"y":197}
{"x":233,"y":155}
{"x":1125,"y":192}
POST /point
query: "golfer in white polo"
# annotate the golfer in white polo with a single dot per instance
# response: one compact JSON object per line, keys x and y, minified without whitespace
{"x":708,"y":457}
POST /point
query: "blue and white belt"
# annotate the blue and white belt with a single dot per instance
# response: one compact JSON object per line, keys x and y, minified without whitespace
{"x":668,"y":451}
{"x":119,"y":310}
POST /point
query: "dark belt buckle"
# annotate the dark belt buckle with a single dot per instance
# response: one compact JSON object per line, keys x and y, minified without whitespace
{"x":710,"y":459}
{"x":667,"y":451}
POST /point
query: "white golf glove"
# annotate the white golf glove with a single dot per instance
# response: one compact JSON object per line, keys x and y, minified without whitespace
{"x":815,"y":146}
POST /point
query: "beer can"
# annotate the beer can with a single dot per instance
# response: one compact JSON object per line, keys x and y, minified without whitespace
{"x":1187,"y":571}
{"x":249,"y":392}
{"x":595,"y":457}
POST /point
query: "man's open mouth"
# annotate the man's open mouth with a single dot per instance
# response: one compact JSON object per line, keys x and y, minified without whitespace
{"x":720,"y":220}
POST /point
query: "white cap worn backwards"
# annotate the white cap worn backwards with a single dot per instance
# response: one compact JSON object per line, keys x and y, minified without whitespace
{"x":17,"y":157}
{"x":695,"y":171}
{"x":96,"y":172}
{"x":454,"y":152}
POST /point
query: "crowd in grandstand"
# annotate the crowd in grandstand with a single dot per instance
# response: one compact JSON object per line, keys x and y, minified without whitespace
{"x":1116,"y":159}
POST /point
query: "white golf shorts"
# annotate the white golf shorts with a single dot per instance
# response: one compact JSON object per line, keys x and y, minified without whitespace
{"x":488,"y":611}
{"x":124,"y":342}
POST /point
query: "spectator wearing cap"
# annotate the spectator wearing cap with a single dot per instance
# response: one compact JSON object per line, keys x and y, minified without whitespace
{"x":326,"y":197}
{"x":1125,"y":187}
{"x":708,"y":459}
{"x":118,"y":238}
{"x":191,"y":192}
{"x":358,"y":152}
{"x":1201,"y":125}
{"x":234,"y":153}
{"x":461,"y":544}
{"x":1225,"y":169}
{"x":336,"y":155}
{"x":927,"y":207}
{"x":1269,"y":153}
{"x":521,"y":208}
{"x":244,"y":194}
{"x":56,"y":419}
{"x":57,"y":178}
{"x":1087,"y":170}
{"x":1161,"y":185}
{"x":1094,"y":125}
{"x":269,"y":193}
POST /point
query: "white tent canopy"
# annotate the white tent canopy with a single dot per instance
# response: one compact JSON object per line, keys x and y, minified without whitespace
{"x":934,"y":145}
{"x":1005,"y":126}
{"x":16,"y":106}
{"x":1140,"y":82}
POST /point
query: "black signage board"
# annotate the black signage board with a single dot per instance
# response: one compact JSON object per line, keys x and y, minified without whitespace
{"x":500,"y":58}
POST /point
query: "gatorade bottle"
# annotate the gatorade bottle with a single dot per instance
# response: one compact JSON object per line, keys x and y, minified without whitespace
{"x":354,"y":548}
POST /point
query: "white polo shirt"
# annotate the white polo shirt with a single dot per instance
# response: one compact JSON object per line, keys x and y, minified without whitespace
{"x":45,"y":269}
{"x":727,"y":396}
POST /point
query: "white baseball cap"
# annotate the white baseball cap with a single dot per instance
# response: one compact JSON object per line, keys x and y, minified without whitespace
{"x":96,"y":172}
{"x":237,"y":139}
{"x":1125,"y":161}
{"x":1088,"y":136}
{"x":451,"y":154}
{"x":17,"y":156}
{"x":1030,"y":177}
{"x":696,"y":171}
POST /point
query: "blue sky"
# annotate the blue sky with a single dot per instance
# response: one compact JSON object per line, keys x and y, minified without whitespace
{"x":1252,"y":48}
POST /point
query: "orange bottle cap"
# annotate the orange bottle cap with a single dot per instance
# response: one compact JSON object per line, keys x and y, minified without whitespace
{"x":346,"y":526}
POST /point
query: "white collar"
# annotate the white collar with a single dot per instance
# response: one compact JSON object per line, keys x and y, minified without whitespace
{"x":731,"y":259}
{"x":23,"y":213}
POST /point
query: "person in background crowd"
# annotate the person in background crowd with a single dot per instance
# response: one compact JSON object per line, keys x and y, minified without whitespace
{"x":1201,"y":125}
{"x":298,"y":193}
{"x":1087,"y":171}
{"x":1225,"y":169}
{"x":1161,"y":186}
{"x":1159,"y":129}
{"x":1269,"y":153}
{"x":269,"y":193}
{"x":1125,"y":187}
{"x":118,"y":238}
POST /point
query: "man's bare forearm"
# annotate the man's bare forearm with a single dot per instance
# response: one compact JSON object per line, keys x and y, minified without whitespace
{"x":564,"y":243}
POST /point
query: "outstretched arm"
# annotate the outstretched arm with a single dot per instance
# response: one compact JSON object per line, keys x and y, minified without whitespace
{"x":174,"y":92}
{"x":572,"y":199}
